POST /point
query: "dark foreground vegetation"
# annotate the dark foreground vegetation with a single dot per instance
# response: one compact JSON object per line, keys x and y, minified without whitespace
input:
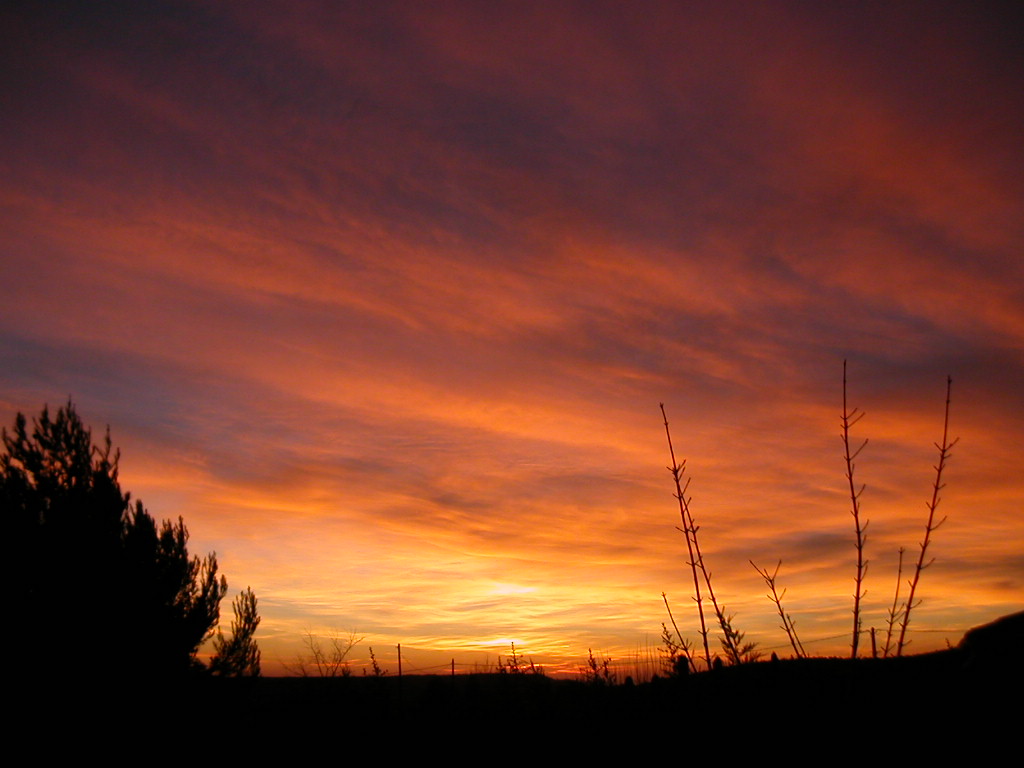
{"x":811,"y":710}
{"x":941,"y":684}
{"x":95,"y":587}
{"x":966,"y":695}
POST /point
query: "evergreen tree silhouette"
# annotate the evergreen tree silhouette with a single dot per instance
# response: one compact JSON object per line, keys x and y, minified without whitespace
{"x":238,"y":655}
{"x":97,"y":587}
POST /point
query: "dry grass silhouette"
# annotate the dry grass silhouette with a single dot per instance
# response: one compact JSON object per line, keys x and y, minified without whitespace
{"x":736,"y":650}
{"x":945,"y":449}
{"x":849,"y":419}
{"x":787,"y":621}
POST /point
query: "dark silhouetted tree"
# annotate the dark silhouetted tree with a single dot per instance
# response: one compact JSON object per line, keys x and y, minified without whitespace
{"x":97,"y":586}
{"x":238,"y":655}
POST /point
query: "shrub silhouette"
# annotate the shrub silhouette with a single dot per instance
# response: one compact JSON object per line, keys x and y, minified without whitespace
{"x":325,"y":661}
{"x":598,"y":671}
{"x":100,"y":586}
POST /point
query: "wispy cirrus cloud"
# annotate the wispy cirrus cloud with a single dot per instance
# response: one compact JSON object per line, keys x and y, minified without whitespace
{"x":383,"y":300}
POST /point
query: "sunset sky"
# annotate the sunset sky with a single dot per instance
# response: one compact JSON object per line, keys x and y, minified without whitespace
{"x":382,"y":298}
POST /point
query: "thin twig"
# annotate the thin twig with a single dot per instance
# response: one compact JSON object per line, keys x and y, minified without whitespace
{"x":849,"y":419}
{"x":944,"y":452}
{"x":682,"y":643}
{"x":775,"y":597}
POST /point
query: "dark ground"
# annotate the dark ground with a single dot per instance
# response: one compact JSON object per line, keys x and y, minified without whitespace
{"x":964,"y":703}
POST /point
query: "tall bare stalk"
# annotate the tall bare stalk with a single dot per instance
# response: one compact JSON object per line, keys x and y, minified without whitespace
{"x":731,"y":639}
{"x":895,"y":612}
{"x":787,"y":620}
{"x":851,"y":417}
{"x":678,"y":469}
{"x":944,"y":452}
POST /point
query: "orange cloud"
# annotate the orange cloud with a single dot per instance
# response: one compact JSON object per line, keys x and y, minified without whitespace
{"x":383,"y":302}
